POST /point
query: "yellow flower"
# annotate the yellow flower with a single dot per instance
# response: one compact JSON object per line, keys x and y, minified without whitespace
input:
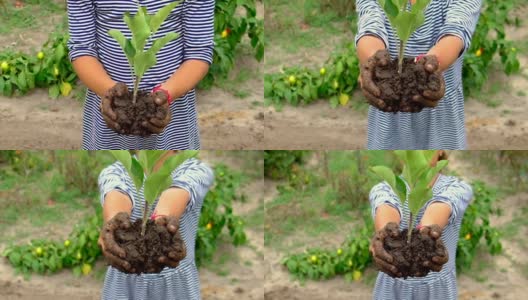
{"x":209,"y":226}
{"x":225,"y":33}
{"x":313,"y":258}
{"x":67,"y":243}
{"x":5,"y":66}
{"x":40,"y":55}
{"x":356,"y":275}
{"x":350,"y":263}
{"x":79,"y":255}
{"x":468,"y":236}
{"x":86,"y":269}
{"x":322,"y":71}
{"x":56,"y":71}
{"x":513,"y":49}
{"x":339,"y":251}
{"x":39,"y":251}
{"x":292,"y":80}
{"x":336,"y":84}
{"x":479,"y":52}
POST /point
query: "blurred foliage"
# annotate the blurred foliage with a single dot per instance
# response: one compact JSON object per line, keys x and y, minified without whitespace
{"x":278,"y":164}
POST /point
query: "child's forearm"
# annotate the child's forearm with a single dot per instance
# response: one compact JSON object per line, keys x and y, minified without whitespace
{"x":93,"y":75}
{"x":436,"y":213}
{"x":367,"y":46}
{"x":186,"y":78}
{"x":385,"y":214}
{"x":116,"y":202}
{"x":447,"y":50}
{"x":172,"y":202}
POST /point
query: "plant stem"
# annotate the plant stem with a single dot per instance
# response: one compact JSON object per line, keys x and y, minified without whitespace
{"x":144,"y":224}
{"x":136,"y":86}
{"x":411,"y":226}
{"x":400,"y":58}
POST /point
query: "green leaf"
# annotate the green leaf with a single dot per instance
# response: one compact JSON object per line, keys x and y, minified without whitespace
{"x":54,"y":91}
{"x":142,"y":62}
{"x":390,"y":8}
{"x":158,"y":18}
{"x":160,"y":180}
{"x":140,"y":29}
{"x":125,"y":43}
{"x":160,"y":43}
{"x":148,"y":158}
{"x":132,"y":165}
{"x":418,"y":197}
{"x":386,"y":174}
{"x":401,"y":189}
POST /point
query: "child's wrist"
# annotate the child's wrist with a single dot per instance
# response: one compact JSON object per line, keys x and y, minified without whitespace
{"x":163,"y":89}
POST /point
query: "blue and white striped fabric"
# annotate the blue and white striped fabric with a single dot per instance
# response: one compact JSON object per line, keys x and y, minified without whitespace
{"x":436,"y":285}
{"x":442,"y":127}
{"x":89,"y":23}
{"x":172,"y":283}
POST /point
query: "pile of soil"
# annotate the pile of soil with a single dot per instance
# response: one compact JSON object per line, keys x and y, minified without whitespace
{"x":410,"y":257}
{"x":131,"y":116}
{"x":397,"y":90}
{"x":142,"y":252}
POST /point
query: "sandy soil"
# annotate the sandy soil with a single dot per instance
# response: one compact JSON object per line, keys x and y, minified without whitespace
{"x":240,"y":276}
{"x":504,"y":275}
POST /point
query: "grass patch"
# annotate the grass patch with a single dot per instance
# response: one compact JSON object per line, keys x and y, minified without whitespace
{"x":32,"y":15}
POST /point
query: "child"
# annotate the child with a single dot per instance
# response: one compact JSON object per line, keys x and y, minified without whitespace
{"x":101,"y":64}
{"x":441,"y":217}
{"x":178,"y":208}
{"x":443,"y":38}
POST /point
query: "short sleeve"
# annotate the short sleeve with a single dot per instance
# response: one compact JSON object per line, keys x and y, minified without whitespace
{"x":371,"y":20}
{"x":198,"y":31}
{"x":82,"y":29}
{"x":114,"y":178}
{"x":381,"y":194}
{"x":196,"y":178}
{"x":457,"y":194}
{"x":461,"y":20}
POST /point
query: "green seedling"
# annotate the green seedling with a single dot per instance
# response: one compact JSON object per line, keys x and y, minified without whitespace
{"x":141,"y":169}
{"x":143,"y":26}
{"x":418,"y":174}
{"x":405,"y":22}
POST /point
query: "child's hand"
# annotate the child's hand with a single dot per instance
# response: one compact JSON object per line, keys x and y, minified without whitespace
{"x":381,"y":257}
{"x":177,"y":251}
{"x":109,"y":115}
{"x":430,"y":98}
{"x":366,"y":81}
{"x":157,"y":125}
{"x":442,"y":256}
{"x":111,"y":250}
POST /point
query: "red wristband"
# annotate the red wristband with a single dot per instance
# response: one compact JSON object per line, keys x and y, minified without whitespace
{"x":158,"y":88}
{"x":417,"y":58}
{"x":155,"y":216}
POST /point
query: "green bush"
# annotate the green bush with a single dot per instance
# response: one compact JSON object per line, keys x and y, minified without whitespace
{"x":279,"y":164}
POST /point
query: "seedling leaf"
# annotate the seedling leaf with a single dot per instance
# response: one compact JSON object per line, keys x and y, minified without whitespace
{"x":157,"y":19}
{"x":385,"y":174}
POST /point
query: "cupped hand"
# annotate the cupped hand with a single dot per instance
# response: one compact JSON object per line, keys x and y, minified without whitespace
{"x":382,"y":258}
{"x":157,"y":124}
{"x":107,"y":101}
{"x":441,"y":256}
{"x":177,"y":251}
{"x":366,"y":80}
{"x":430,"y":98}
{"x":111,"y":250}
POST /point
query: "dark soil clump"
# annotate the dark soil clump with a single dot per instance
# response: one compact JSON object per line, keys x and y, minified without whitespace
{"x":397,"y":90}
{"x":410,"y":257}
{"x":131,"y":116}
{"x":142,"y":252}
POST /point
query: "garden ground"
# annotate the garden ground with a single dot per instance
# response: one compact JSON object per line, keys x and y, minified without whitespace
{"x":494,"y":120}
{"x":230,"y":114}
{"x":504,"y":276}
{"x":234,"y":272}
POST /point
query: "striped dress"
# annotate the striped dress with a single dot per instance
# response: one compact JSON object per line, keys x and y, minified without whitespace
{"x":442,"y":127}
{"x":436,"y":285}
{"x":89,"y":23}
{"x":177,"y":283}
